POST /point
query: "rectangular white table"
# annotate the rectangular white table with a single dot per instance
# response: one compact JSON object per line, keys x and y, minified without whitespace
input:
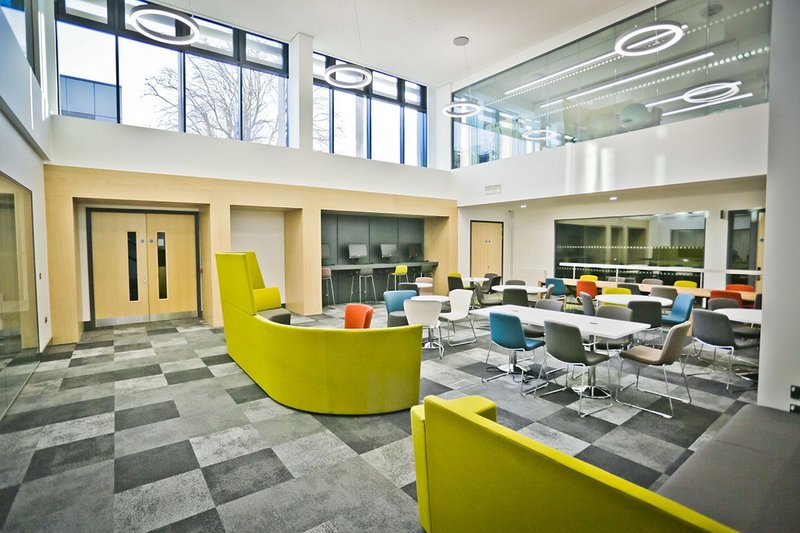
{"x":588,"y":325}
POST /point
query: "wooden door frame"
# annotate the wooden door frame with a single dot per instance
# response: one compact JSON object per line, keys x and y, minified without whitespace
{"x":502,"y":243}
{"x":90,"y":258}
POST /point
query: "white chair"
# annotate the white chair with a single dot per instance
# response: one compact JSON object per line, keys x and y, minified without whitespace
{"x":426,"y":314}
{"x":460,"y":300}
{"x":425,"y":290}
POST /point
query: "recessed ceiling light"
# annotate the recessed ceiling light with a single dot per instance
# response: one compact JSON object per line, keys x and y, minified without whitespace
{"x":140,"y":14}
{"x":612,"y":198}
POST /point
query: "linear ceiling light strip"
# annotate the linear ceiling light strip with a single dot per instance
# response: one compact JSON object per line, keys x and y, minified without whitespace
{"x":717,"y":102}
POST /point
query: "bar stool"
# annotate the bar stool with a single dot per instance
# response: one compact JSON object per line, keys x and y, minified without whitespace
{"x":327,"y":282}
{"x":364,"y":276}
{"x":399,"y":271}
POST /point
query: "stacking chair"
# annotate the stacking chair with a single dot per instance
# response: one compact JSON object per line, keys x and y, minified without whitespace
{"x":424,"y":290}
{"x":731,"y":295}
{"x":327,"y":285}
{"x":564,"y":343}
{"x":668,"y":354}
{"x":665,"y":292}
{"x":634,"y":288}
{"x":588,"y":277}
{"x":614,"y":312}
{"x":505,"y":331}
{"x":745,"y":332}
{"x":714,"y":330}
{"x":454,"y":281}
{"x":681,"y":310}
{"x":365,"y":276}
{"x":685,"y":283}
{"x":588,"y":304}
{"x":408,"y":287}
{"x":616,"y":278}
{"x":547,"y":305}
{"x":652,"y":281}
{"x":426,"y":314}
{"x":616,"y":290}
{"x":587,"y":286}
{"x":648,"y":312}
{"x":739,"y":287}
{"x":549,"y":294}
{"x":486,"y":300}
{"x":559,"y":289}
{"x":460,"y":301}
{"x":515,"y":297}
{"x":357,"y":316}
{"x":722,"y":303}
{"x":515,"y":282}
{"x":491,"y":281}
{"x":396,"y":315}
{"x":400,"y":271}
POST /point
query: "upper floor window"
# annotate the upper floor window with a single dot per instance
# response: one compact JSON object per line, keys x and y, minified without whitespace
{"x":228,"y":83}
{"x":19,"y":14}
{"x":385,"y":120}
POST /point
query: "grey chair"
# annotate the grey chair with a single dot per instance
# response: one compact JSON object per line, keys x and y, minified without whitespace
{"x":454,"y":283}
{"x":714,"y":330}
{"x":547,"y":305}
{"x":588,"y":304}
{"x":327,"y":285}
{"x":722,"y":303}
{"x":365,"y":277}
{"x":634,"y":288}
{"x":549,"y":294}
{"x":515,"y":282}
{"x":565,"y":344}
{"x":648,"y":312}
{"x":616,"y":278}
{"x":515,"y":297}
{"x":664,"y":292}
{"x":668,"y":354}
{"x":740,"y":331}
{"x":759,"y":298}
{"x":613,"y":312}
{"x":652,"y":281}
{"x":408,"y":287}
{"x":486,"y":300}
{"x":491,"y":280}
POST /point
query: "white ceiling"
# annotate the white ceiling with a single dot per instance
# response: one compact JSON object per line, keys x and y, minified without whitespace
{"x":412,"y":39}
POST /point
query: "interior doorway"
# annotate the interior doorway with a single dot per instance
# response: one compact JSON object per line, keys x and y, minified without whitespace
{"x":486,"y":247}
{"x":143,"y":265}
{"x":746,"y":244}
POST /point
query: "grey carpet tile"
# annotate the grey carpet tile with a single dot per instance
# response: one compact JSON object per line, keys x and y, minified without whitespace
{"x":129,"y":347}
{"x":512,"y":420}
{"x":620,"y":466}
{"x":183,"y":376}
{"x":431,"y":388}
{"x":57,"y":459}
{"x":146,"y":414}
{"x":93,"y":344}
{"x":59,"y":413}
{"x":98,"y":359}
{"x":153,"y":465}
{"x":411,"y":490}
{"x":205,"y":522}
{"x":362,"y":433}
{"x":107,"y":377}
{"x":57,"y":356}
{"x":7,"y":496}
{"x":587,"y":429}
{"x":240,"y":476}
{"x":247,"y":393}
{"x":683,"y":429}
{"x":217,"y":359}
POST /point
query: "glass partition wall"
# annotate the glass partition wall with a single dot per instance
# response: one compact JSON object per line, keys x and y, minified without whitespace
{"x":665,"y":240}
{"x":18,"y":323}
{"x":678,"y":60}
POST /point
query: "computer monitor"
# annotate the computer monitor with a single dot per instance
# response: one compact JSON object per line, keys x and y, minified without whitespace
{"x":357,"y":251}
{"x":414,"y":250}
{"x":388,"y":250}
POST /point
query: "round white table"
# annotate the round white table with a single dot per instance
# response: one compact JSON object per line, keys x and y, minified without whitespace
{"x":471,"y":279}
{"x":431,"y":298}
{"x":624,"y":299}
{"x":423,"y":284}
{"x":530,"y":289}
{"x":745,"y":316}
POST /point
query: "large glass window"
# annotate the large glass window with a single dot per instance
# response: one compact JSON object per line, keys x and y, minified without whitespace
{"x":385,"y":121}
{"x":14,"y":11}
{"x":229,"y":84}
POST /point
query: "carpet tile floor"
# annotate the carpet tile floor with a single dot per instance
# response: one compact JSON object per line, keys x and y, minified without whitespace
{"x":153,"y":427}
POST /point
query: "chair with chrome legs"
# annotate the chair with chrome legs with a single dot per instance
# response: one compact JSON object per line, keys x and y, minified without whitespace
{"x":515,"y":297}
{"x":746,"y":332}
{"x":396,"y":315}
{"x":486,"y":300}
{"x":327,"y":285}
{"x":652,"y":281}
{"x":400,"y":271}
{"x":664,"y":292}
{"x":670,"y":353}
{"x":460,"y":300}
{"x":515,"y":282}
{"x":681,"y":310}
{"x":588,"y":304}
{"x":454,"y":281}
{"x":633,"y":287}
{"x":714,"y":330}
{"x":403,"y":286}
{"x":365,"y":276}
{"x":426,"y":314}
{"x":564,"y":342}
{"x":613,"y":312}
{"x":548,"y":305}
{"x":506,"y":332}
{"x":647,"y":312}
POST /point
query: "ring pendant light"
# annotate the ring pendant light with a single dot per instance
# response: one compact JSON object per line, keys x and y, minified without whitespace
{"x":140,"y":14}
{"x":462,"y":108}
{"x":540,"y":135}
{"x":363,"y":76}
{"x":673,"y":30}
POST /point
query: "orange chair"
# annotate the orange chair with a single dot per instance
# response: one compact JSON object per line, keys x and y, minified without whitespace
{"x":357,"y":316}
{"x":739,"y":287}
{"x":733,"y":295}
{"x":589,"y":287}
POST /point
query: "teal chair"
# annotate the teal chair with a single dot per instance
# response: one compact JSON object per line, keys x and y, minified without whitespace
{"x":396,"y":315}
{"x":559,"y":289}
{"x":506,"y":332}
{"x":681,"y":310}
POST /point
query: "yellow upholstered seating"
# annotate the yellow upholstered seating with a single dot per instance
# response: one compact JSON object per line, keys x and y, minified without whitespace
{"x":589,"y":277}
{"x":476,"y":475}
{"x":685,"y":283}
{"x":338,"y":371}
{"x":616,"y":290}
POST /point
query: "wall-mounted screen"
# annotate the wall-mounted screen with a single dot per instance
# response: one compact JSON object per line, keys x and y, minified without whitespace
{"x":357,"y":251}
{"x":388,"y":250}
{"x":414,"y":250}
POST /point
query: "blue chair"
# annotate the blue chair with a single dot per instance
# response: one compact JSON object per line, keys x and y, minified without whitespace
{"x":681,"y":310}
{"x":559,"y":289}
{"x":396,"y":315}
{"x":506,"y":332}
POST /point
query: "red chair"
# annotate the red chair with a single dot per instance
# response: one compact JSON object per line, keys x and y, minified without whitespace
{"x":739,"y":287}
{"x":589,"y":287}
{"x":357,"y":316}
{"x":733,"y":295}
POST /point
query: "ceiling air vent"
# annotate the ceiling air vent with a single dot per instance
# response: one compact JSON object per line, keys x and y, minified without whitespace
{"x":493,"y":189}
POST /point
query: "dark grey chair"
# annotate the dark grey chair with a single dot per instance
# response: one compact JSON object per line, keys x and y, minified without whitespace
{"x":515,"y":282}
{"x":616,"y":279}
{"x":740,"y":331}
{"x":408,"y":287}
{"x":652,"y":281}
{"x":714,"y":330}
{"x":647,"y":312}
{"x":758,"y":302}
{"x":613,"y":312}
{"x":454,"y":283}
{"x":644,"y":355}
{"x":491,"y":280}
{"x":547,"y":305}
{"x":722,"y":303}
{"x":634,"y":288}
{"x":564,"y":342}
{"x":515,"y":297}
{"x":486,"y":300}
{"x":588,"y":304}
{"x":664,"y":292}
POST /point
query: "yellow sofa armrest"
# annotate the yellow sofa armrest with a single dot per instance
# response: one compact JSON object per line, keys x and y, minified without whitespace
{"x":267,"y":298}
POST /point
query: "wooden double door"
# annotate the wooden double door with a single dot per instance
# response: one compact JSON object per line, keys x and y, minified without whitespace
{"x":486,"y":248}
{"x":144,"y":266}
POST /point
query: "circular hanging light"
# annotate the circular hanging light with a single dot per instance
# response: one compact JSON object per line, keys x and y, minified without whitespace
{"x":670,"y":31}
{"x":458,"y":109}
{"x":139,"y":15}
{"x":711,"y":92}
{"x":540,"y":135}
{"x":346,"y":68}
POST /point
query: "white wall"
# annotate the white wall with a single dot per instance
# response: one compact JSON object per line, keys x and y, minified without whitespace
{"x":780,"y":361}
{"x":261,"y":231}
{"x":532,"y":245}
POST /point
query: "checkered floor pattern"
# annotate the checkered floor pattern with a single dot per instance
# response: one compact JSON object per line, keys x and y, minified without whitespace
{"x":153,"y":427}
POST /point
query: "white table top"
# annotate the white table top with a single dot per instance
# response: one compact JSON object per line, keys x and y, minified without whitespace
{"x":530,"y":289}
{"x":431,"y":298}
{"x":476,"y":280}
{"x":589,"y":325}
{"x":423,"y":284}
{"x":623,"y":299}
{"x":745,"y":316}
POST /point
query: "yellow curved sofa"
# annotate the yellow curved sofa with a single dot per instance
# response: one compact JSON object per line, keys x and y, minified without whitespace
{"x":321,"y":370}
{"x":474,"y":474}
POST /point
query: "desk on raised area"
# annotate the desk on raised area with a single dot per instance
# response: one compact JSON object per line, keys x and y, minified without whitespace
{"x":344,"y":273}
{"x":697,"y":292}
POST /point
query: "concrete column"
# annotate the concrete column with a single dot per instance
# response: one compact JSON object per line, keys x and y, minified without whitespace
{"x":301,"y":89}
{"x":780,"y":361}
